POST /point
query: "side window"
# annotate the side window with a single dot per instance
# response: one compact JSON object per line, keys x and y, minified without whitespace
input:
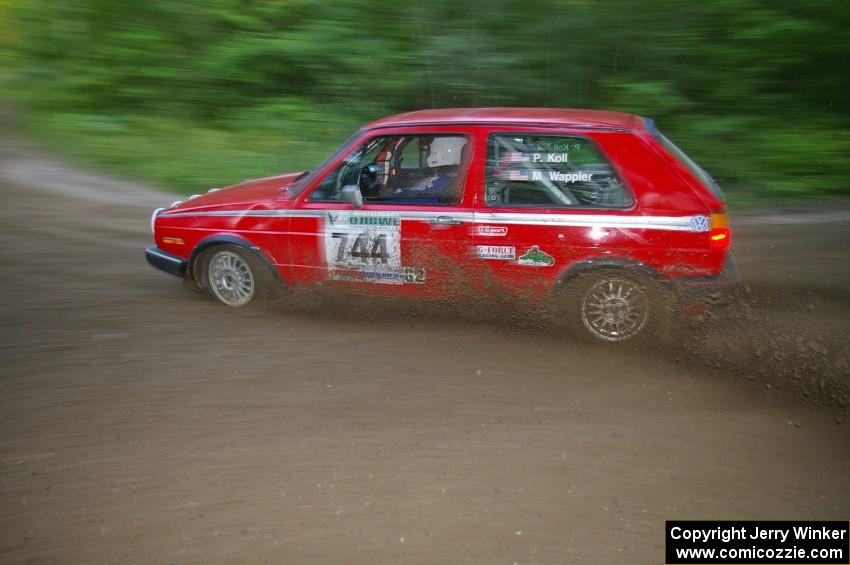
{"x":402,"y":169}
{"x":348,"y":172}
{"x":411,"y":154}
{"x":691,"y":165}
{"x":550,"y":172}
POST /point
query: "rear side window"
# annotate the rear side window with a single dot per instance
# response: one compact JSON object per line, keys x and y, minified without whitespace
{"x":550,"y":172}
{"x":705,"y":178}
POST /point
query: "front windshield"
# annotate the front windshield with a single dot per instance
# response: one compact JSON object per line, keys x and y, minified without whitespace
{"x":305,"y":179}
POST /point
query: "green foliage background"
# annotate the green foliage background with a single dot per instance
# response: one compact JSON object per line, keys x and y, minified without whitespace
{"x":198,"y":93}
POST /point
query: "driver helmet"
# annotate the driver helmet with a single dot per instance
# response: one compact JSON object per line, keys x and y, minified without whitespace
{"x":445,"y":151}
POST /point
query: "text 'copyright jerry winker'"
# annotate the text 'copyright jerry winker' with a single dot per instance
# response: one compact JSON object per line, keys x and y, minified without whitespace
{"x":753,"y":542}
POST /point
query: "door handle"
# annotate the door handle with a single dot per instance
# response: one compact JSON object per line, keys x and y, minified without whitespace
{"x":445,"y":221}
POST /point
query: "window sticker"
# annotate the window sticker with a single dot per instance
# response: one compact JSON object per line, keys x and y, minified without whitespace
{"x":536,"y":157}
{"x":365,"y":247}
{"x":542,"y":176}
{"x":498,"y":252}
{"x":534,"y":257}
{"x":550,"y":171}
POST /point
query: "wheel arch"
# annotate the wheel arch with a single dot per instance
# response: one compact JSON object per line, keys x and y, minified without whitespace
{"x":663,"y":300}
{"x":226,"y":239}
{"x":594,"y":264}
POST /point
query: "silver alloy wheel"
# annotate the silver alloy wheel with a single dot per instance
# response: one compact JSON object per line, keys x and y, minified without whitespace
{"x":615,"y":309}
{"x":230,"y":278}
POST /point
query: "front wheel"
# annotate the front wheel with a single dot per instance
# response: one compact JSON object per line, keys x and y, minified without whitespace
{"x":613,"y":306}
{"x":232,"y":276}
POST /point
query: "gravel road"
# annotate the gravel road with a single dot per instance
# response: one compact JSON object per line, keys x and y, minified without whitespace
{"x":144,"y":423}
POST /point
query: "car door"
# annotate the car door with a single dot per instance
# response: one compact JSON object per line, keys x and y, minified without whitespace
{"x":409,"y":237}
{"x":548,"y":201}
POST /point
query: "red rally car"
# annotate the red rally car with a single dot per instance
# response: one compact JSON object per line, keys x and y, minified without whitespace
{"x":595,"y":212}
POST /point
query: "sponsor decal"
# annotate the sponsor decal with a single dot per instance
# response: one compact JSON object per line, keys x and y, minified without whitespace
{"x":413,"y":275}
{"x":498,"y":252}
{"x":363,"y":246}
{"x":534,"y":257}
{"x":374,"y":221}
{"x":345,"y":275}
{"x":366,"y":247}
{"x":700,"y":223}
{"x":491,"y":231}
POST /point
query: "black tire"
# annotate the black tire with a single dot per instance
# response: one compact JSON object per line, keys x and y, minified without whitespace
{"x":616,"y":306}
{"x":234,"y":276}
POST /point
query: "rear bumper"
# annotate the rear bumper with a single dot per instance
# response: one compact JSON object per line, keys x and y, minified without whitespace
{"x":165,"y":261}
{"x":717,"y":290}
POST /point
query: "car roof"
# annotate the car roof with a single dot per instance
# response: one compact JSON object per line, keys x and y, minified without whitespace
{"x":584,"y":119}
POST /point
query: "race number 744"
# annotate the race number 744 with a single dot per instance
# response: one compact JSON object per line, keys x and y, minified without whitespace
{"x":362,"y":247}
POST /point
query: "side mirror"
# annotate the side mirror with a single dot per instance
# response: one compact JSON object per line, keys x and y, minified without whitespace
{"x":352,"y":195}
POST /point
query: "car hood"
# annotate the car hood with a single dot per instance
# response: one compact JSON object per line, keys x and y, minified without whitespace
{"x":250,"y":191}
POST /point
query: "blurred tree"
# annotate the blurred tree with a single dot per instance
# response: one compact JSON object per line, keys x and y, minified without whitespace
{"x":755,"y":89}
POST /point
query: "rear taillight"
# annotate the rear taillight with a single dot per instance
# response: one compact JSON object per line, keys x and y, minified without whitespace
{"x":719,"y":236}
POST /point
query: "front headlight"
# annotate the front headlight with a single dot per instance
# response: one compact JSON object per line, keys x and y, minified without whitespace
{"x":156,"y":213}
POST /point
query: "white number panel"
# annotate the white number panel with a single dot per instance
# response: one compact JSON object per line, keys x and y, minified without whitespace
{"x":364,"y":247}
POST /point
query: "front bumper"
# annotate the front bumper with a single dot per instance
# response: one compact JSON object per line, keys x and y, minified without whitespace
{"x":166,"y":261}
{"x":719,"y":290}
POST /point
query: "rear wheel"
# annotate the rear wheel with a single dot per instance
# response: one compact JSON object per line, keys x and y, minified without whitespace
{"x":234,"y":276}
{"x":614,"y":306}
{"x":615,"y":309}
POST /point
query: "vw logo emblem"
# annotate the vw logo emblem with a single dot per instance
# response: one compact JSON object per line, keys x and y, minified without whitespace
{"x":699,"y":223}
